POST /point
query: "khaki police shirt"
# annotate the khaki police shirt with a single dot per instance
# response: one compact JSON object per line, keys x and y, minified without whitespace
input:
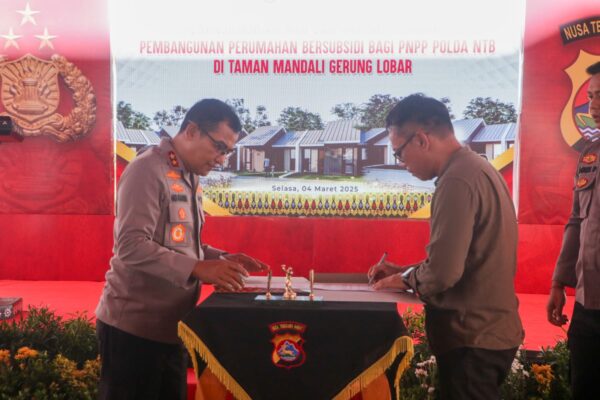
{"x":467,"y":280}
{"x":578,"y":264}
{"x":157,"y":243}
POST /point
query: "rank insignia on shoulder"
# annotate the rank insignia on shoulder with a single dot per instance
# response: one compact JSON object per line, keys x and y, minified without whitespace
{"x":589,"y":158}
{"x":287,"y":342}
{"x":178,"y":233}
{"x":177,"y":188}
{"x":173,"y":175}
{"x":173,"y":159}
{"x":581,"y":182}
{"x":181,"y":213}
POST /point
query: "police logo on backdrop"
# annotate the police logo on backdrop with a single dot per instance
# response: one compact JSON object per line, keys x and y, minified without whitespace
{"x":288,"y":351}
{"x":576,"y":123}
{"x":31,"y":96}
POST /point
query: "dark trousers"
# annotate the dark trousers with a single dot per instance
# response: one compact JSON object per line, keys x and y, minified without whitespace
{"x":472,"y":373}
{"x":136,"y":368}
{"x":584,"y":344}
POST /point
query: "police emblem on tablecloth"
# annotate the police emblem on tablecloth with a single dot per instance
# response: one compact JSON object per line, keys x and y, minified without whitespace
{"x":31,"y":96}
{"x":287,"y":344}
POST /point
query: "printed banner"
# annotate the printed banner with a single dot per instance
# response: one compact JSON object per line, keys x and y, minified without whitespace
{"x":55,"y":79}
{"x":313,"y":94}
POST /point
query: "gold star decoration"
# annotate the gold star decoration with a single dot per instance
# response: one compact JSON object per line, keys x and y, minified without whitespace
{"x":11,"y":39}
{"x":46,"y":39}
{"x":27,"y":14}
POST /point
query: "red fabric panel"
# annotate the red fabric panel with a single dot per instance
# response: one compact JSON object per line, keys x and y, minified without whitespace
{"x":55,"y":247}
{"x":539,"y":246}
{"x":325,"y":244}
{"x":547,"y":162}
{"x":507,"y":174}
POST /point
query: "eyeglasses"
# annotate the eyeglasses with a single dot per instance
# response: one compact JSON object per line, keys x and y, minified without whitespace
{"x":398,"y":152}
{"x":220,"y":146}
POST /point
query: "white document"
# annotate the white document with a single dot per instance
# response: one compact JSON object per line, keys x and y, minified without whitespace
{"x":299,"y":284}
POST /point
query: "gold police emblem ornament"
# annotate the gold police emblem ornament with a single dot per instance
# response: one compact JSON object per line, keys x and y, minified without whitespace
{"x":31,"y":97}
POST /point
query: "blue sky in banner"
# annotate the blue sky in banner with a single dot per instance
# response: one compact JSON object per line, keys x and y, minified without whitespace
{"x":460,"y":49}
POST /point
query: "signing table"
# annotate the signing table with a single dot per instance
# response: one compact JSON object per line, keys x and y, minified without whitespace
{"x":296,"y":349}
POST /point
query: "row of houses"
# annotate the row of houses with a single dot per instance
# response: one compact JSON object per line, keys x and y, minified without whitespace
{"x":342,"y":149}
{"x":338,"y":149}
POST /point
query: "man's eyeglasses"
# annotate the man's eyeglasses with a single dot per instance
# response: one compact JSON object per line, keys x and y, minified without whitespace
{"x":398,"y":152}
{"x":219,"y":145}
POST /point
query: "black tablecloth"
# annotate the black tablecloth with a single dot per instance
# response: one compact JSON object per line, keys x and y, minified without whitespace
{"x":295,"y":349}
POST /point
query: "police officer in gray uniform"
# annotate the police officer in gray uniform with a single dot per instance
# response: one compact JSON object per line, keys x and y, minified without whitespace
{"x":160,"y":260}
{"x":578,"y":264}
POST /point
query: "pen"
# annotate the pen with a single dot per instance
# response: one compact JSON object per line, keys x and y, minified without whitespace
{"x":381,"y":261}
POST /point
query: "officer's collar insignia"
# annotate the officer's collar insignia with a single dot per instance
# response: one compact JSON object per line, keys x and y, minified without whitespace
{"x":173,"y":159}
{"x":173,"y":175}
{"x":287,"y":344}
{"x":589,"y":158}
{"x":177,"y":188}
{"x":581,"y":182}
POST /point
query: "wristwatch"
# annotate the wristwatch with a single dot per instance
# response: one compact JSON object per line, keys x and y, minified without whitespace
{"x":406,"y":274}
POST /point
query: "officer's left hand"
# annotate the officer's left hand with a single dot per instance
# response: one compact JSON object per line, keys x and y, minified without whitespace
{"x":393,"y":281}
{"x":249,"y":263}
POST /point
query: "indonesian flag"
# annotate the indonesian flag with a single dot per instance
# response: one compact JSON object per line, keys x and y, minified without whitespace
{"x":55,"y":85}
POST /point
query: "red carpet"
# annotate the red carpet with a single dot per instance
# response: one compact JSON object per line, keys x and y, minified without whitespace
{"x":70,"y":297}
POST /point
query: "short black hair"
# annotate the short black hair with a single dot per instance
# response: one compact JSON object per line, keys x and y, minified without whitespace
{"x":208,"y":113}
{"x":593,"y":69}
{"x":420,"y":109}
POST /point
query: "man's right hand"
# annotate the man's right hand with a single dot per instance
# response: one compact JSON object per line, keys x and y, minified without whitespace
{"x":382,"y":270}
{"x":227,"y":275}
{"x":554,"y":308}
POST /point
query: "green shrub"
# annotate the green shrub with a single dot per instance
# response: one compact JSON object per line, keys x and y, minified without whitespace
{"x":43,"y":356}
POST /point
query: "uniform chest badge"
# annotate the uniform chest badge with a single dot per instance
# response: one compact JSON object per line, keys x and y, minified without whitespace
{"x":287,"y":344}
{"x":177,"y":188}
{"x":173,"y":159}
{"x":589,"y":158}
{"x":199,"y":190}
{"x":178,"y":233}
{"x":173,"y":175}
{"x":181,"y":213}
{"x":581,"y":182}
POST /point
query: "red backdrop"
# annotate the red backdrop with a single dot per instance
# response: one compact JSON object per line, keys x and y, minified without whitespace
{"x":73,"y":239}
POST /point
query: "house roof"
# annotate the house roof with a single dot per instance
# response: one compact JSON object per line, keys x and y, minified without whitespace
{"x":122,"y":135}
{"x":261,"y":136}
{"x":170,"y":130}
{"x":342,"y":131}
{"x":494,"y":133}
{"x":370,"y":135}
{"x":312,"y":138}
{"x":136,"y":137}
{"x":290,"y":139}
{"x":464,"y":129}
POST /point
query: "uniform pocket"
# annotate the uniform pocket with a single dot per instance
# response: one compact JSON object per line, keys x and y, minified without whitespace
{"x":584,"y":186}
